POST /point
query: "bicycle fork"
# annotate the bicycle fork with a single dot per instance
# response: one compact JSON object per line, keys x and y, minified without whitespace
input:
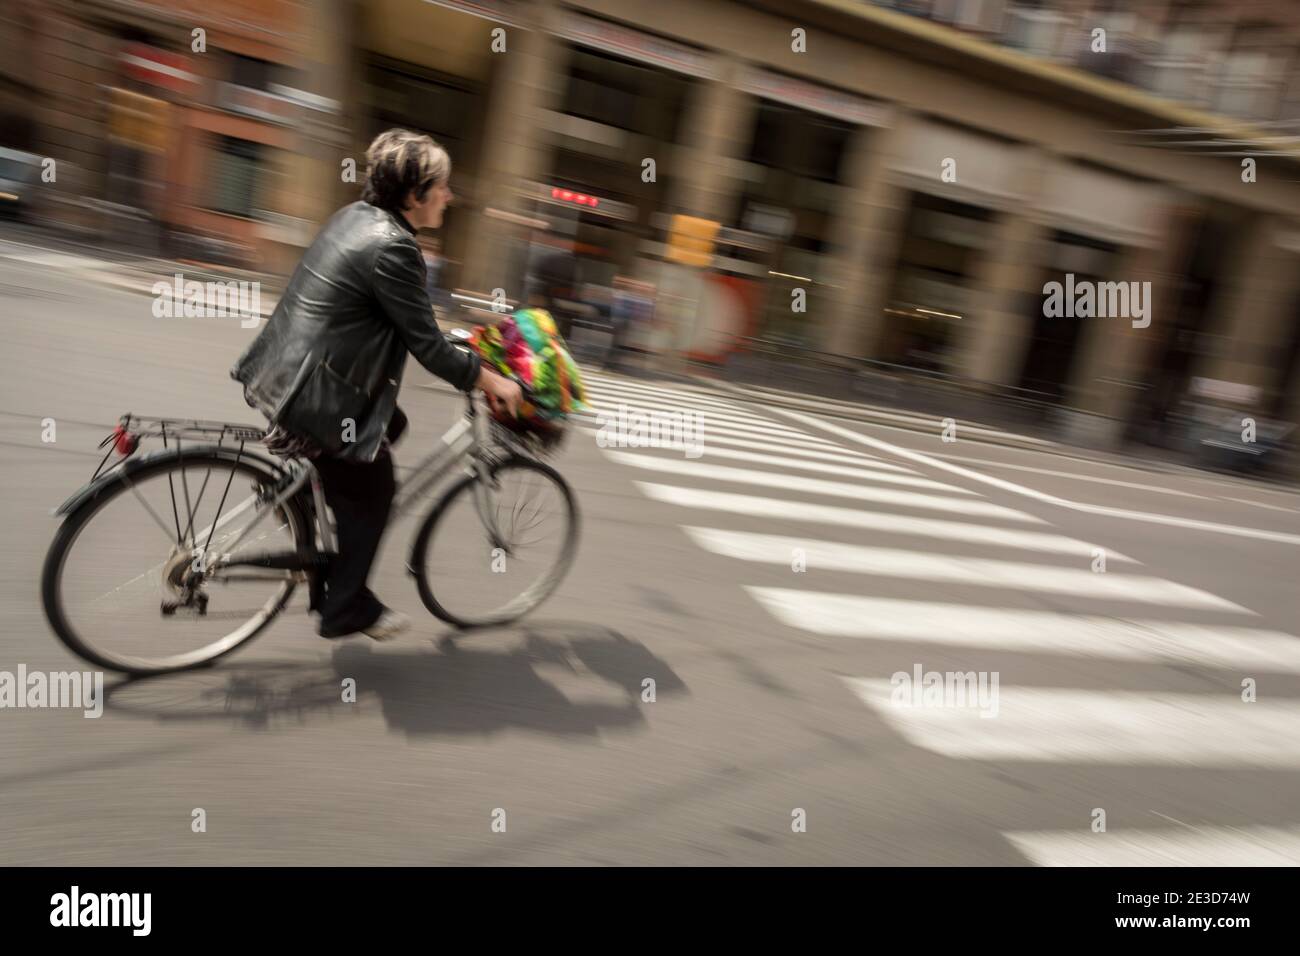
{"x":485,"y":499}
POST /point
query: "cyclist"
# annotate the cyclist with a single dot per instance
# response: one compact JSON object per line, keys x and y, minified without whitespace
{"x":327,"y":367}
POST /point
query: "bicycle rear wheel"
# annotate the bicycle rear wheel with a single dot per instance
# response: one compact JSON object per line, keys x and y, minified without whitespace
{"x":133,"y":581}
{"x":467,"y":577}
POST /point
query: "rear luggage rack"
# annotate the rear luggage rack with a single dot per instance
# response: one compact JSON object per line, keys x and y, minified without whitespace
{"x":125,"y":437}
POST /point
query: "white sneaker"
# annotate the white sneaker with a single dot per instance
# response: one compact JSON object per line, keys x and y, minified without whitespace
{"x":390,"y":624}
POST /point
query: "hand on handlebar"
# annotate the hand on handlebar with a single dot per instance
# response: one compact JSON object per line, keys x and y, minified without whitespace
{"x":503,"y":394}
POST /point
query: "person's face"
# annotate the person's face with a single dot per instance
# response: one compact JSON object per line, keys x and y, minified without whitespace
{"x":428,"y":214}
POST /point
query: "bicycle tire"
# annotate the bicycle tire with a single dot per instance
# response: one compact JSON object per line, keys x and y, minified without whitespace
{"x":119,"y":482}
{"x":532,"y":597}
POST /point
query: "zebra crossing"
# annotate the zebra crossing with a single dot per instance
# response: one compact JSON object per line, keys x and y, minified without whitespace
{"x":1030,"y":590}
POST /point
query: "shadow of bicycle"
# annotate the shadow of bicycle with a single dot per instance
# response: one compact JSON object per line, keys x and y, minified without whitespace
{"x":549,"y":677}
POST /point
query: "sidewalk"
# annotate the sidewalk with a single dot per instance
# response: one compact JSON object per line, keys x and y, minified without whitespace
{"x":126,"y":272}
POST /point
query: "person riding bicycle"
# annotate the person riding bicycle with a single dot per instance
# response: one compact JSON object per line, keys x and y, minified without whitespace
{"x":327,"y":367}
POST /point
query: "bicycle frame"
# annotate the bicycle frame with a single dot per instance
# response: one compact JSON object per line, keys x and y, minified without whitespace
{"x":462,"y":444}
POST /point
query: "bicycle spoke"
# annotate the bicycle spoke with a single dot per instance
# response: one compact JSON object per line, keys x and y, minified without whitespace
{"x":216,"y":519}
{"x":172,"y":488}
{"x":514,"y":517}
{"x":533,"y":518}
{"x":532,"y":541}
{"x":536,"y":519}
{"x":186,"y":486}
{"x":199,"y":500}
{"x":153,"y":514}
{"x":535,"y":485}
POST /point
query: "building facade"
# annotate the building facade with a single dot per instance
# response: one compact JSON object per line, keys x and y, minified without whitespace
{"x":897,"y":182}
{"x":182,"y":127}
{"x":914,"y":174}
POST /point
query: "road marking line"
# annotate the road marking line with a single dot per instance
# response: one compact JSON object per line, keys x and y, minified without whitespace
{"x":1208,"y":846}
{"x":820,"y":486}
{"x":845,"y":455}
{"x":666,"y":397}
{"x":1124,"y":728}
{"x":705,"y":412}
{"x":942,"y":529}
{"x":1260,"y":504}
{"x":980,"y":572}
{"x":705,"y":426}
{"x":864,"y":473}
{"x":915,"y":456}
{"x":1032,"y":631}
{"x":1072,"y":476}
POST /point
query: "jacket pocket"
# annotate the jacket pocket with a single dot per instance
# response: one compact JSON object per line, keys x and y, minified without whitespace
{"x":319,"y":404}
{"x":295,"y":386}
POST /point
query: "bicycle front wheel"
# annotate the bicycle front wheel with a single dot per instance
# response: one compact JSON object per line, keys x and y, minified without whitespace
{"x":491,"y":552}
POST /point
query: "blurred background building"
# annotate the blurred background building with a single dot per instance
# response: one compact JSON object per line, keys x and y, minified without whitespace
{"x":840,"y":196}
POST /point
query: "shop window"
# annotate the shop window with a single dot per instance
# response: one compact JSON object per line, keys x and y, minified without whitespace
{"x":252,"y":73}
{"x":798,"y":142}
{"x":603,"y":90}
{"x":626,"y":95}
{"x":234,"y":176}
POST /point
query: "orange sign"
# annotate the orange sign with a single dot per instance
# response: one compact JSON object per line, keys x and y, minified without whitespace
{"x":691,"y":240}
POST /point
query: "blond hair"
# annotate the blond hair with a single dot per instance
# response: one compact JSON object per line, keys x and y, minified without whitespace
{"x":403,"y":166}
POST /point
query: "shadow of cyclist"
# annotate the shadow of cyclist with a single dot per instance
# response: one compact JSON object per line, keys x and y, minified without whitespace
{"x":558,"y":678}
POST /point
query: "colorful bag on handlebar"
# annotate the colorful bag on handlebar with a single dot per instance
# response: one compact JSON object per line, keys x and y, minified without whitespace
{"x":527,"y":346}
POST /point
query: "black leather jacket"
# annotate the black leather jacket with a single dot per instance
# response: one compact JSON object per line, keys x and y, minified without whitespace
{"x":336,"y":344}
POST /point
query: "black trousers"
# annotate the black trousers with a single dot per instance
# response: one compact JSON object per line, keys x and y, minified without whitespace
{"x":361,"y":496}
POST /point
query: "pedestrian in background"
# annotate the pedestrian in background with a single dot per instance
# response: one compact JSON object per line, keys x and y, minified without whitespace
{"x":631,"y":313}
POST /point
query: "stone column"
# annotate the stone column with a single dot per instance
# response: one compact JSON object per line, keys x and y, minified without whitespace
{"x":1251,"y":315}
{"x":1105,"y":379}
{"x":998,"y":330}
{"x":869,"y":234}
{"x":718,"y":128}
{"x":527,"y":82}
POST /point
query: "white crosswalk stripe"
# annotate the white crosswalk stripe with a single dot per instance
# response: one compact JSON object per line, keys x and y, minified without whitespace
{"x":680,"y":403}
{"x":716,"y":418}
{"x":1021,"y":630}
{"x":815,"y":452}
{"x":1064,"y":725}
{"x":714,"y":413}
{"x":932,"y":528}
{"x":866,"y":471}
{"x":792,"y":436}
{"x":609,"y":406}
{"x":1032,"y":591}
{"x":945,"y":569}
{"x":1166,"y":846}
{"x":819,"y":486}
{"x":598,"y":386}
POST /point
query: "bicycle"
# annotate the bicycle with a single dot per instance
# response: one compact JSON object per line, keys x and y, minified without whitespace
{"x":204,"y":558}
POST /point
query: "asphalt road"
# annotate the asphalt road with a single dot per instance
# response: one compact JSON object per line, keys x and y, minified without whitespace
{"x":771,"y":588}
